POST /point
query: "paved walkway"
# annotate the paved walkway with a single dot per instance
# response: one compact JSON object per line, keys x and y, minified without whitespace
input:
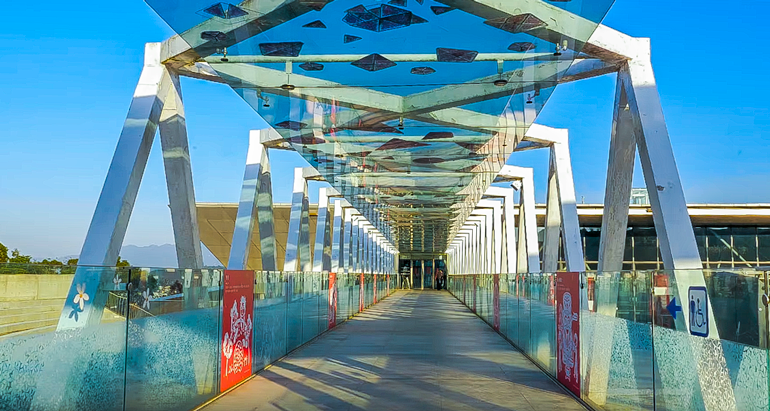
{"x":413,"y":351}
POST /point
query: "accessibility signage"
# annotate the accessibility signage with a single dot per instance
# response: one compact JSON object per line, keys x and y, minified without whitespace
{"x":699,"y":313}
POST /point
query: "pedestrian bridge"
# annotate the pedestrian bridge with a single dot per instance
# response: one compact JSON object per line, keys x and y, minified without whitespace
{"x":407,"y":113}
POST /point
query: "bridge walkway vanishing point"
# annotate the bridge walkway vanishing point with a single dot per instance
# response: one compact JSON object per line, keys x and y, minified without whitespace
{"x":413,"y":351}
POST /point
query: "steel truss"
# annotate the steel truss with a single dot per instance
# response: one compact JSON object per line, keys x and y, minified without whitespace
{"x":345,"y":241}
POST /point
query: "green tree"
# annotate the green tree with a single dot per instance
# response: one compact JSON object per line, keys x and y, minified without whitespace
{"x":3,"y":253}
{"x":51,"y":262}
{"x":122,"y":263}
{"x":72,"y":261}
{"x":17,"y":257}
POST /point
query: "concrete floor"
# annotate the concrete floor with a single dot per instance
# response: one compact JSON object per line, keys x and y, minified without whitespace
{"x":413,"y":351}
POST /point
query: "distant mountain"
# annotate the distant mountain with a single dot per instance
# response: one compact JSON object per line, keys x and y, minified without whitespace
{"x":159,"y":256}
{"x":163,"y":256}
{"x":150,"y":255}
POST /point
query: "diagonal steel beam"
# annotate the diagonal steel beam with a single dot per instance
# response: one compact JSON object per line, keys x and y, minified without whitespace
{"x":187,"y":48}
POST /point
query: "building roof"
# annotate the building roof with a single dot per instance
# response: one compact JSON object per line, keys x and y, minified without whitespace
{"x":217,"y":221}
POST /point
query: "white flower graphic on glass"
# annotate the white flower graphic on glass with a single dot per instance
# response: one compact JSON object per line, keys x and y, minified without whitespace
{"x":116,"y":281}
{"x":81,"y":297}
{"x":147,"y":297}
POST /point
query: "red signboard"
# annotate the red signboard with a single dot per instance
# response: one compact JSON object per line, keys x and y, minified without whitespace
{"x":237,"y":327}
{"x":332,"y":312}
{"x":568,"y":330}
{"x":361,"y":294}
{"x":375,"y":288}
{"x":496,"y":299}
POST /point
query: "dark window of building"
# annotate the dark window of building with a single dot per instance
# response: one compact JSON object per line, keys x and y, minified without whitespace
{"x":763,"y":238}
{"x":700,"y":239}
{"x":719,"y":253}
{"x":591,"y":238}
{"x":628,"y":251}
{"x":628,"y":266}
{"x":645,"y":248}
{"x":540,"y":242}
{"x":745,"y":244}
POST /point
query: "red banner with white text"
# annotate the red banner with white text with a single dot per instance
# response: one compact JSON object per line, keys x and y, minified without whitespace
{"x":568,"y":330}
{"x":237,"y":327}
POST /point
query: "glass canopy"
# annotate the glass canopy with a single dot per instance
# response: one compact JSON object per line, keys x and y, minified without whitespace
{"x":408,"y":107}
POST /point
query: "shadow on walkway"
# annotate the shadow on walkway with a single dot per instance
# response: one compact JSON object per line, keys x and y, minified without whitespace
{"x":413,"y":351}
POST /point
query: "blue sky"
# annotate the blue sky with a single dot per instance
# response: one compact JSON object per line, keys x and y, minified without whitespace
{"x":67,"y":76}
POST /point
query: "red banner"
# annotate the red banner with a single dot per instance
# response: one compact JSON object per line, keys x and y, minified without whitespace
{"x":375,"y":288}
{"x":496,"y":299}
{"x":568,"y":330}
{"x":237,"y":327}
{"x":387,"y":285}
{"x":332,"y":312}
{"x":361,"y":293}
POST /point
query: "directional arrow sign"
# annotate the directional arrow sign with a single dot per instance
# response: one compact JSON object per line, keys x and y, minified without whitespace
{"x":672,"y":307}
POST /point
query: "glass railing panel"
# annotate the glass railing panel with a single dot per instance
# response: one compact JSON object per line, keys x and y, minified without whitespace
{"x":309,"y":306}
{"x":543,"y":324}
{"x":173,"y":337}
{"x":270,"y":342}
{"x":358,"y":293}
{"x":323,"y":302}
{"x":343,"y":297}
{"x":483,"y":295}
{"x":367,"y":290}
{"x":699,"y":363}
{"x":294,"y":311}
{"x":503,"y":304}
{"x":51,"y":369}
{"x":512,"y":308}
{"x":616,"y":340}
{"x":525,"y":305}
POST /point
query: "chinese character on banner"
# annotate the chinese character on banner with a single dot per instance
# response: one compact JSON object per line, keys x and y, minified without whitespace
{"x":332,"y":313}
{"x":568,"y":330}
{"x":237,"y":327}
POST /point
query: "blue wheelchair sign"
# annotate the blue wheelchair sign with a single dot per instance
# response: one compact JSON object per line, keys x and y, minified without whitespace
{"x":699,"y":311}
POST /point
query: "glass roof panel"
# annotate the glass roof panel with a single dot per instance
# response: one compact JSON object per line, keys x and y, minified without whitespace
{"x":408,"y":107}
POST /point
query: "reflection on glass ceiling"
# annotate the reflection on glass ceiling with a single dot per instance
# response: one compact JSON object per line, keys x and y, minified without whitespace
{"x":408,"y":107}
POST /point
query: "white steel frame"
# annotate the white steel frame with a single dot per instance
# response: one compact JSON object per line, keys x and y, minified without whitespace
{"x":638,"y":125}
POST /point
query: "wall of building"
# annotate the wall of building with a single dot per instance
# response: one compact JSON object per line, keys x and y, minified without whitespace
{"x":34,"y":287}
